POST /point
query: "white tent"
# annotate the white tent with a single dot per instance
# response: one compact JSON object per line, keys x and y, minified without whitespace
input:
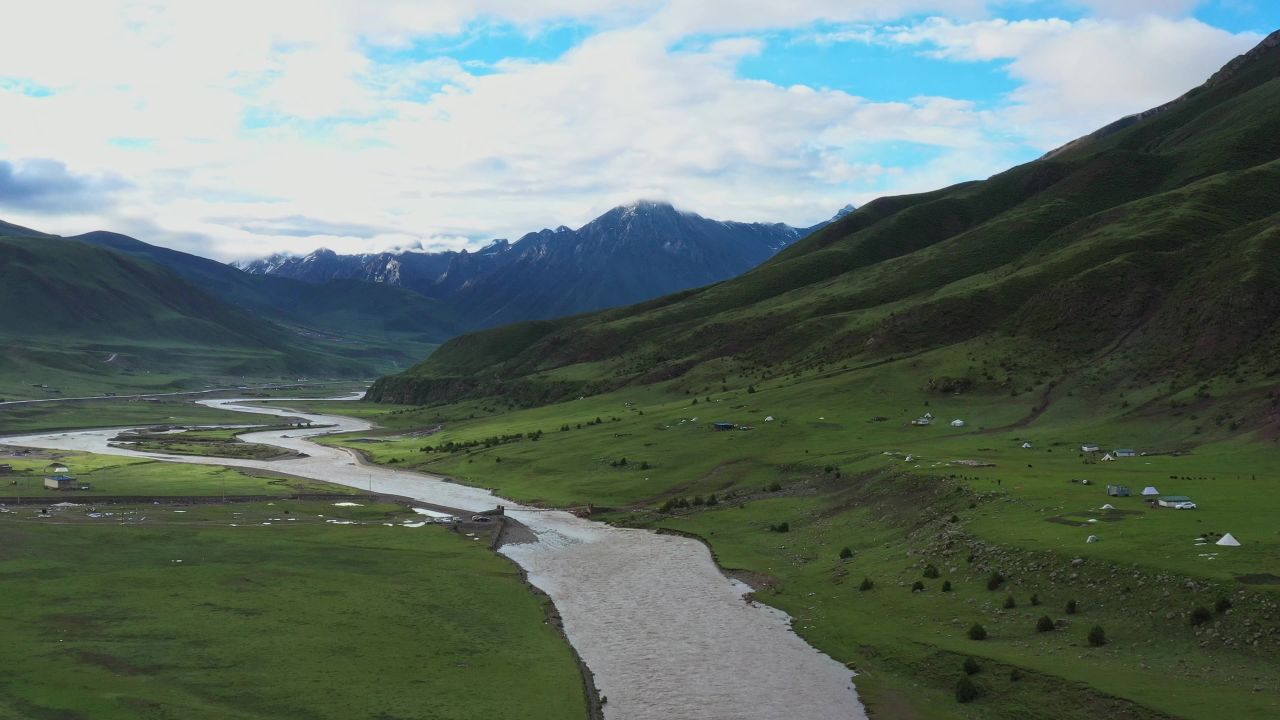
{"x":957,"y":423}
{"x":1228,"y":540}
{"x":1108,"y":458}
{"x":1150,"y":490}
{"x":769,"y":419}
{"x":1026,"y":446}
{"x":1108,"y":506}
{"x":1092,"y":538}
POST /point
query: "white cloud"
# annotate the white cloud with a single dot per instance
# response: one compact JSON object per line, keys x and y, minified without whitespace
{"x":1076,"y":76}
{"x":247,"y":128}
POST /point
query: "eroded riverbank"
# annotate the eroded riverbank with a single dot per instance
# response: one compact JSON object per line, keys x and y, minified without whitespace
{"x":664,"y":632}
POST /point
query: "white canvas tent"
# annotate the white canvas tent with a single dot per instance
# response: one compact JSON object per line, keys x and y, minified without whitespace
{"x":1108,"y":458}
{"x":1092,"y":539}
{"x":1150,"y":490}
{"x":1229,"y":540}
{"x":1026,"y":446}
{"x":1108,"y":506}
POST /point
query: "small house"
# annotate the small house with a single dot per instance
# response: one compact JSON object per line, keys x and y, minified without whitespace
{"x":64,"y":482}
{"x":957,"y":423}
{"x":1118,"y":491}
{"x":1090,"y":447}
{"x":724,"y":425}
{"x":1126,"y":452}
{"x":1178,"y":502}
{"x":6,"y":469}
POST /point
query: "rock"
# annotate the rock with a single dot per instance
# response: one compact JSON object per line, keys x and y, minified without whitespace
{"x":1077,"y":562}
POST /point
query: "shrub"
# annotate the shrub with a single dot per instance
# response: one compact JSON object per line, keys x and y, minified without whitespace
{"x":946,"y":586}
{"x":930,"y":571}
{"x":1097,"y":636}
{"x":780,"y":527}
{"x":644,"y":465}
{"x":866,"y":584}
{"x":1035,"y":599}
{"x":697,"y":500}
{"x":995,"y":581}
{"x":971,"y":666}
{"x":712,"y":499}
{"x":954,"y":518}
{"x":1222,"y":605}
{"x":1071,"y":607}
{"x":977,"y":632}
{"x":1009,"y":602}
{"x":917,"y":586}
{"x":1015,"y":675}
{"x":966,"y":691}
{"x":774,"y":487}
{"x":1200,"y":616}
{"x":1044,"y":624}
{"x":846,"y":552}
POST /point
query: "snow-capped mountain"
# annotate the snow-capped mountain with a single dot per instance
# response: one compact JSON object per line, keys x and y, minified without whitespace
{"x":629,"y":254}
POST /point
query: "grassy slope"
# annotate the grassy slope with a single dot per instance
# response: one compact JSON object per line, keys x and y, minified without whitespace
{"x":73,"y":316}
{"x":295,"y":619}
{"x":1148,"y":255}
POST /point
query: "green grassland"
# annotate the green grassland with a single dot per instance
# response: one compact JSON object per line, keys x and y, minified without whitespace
{"x":109,"y":475}
{"x":38,"y":417}
{"x":265,"y":611}
{"x":843,"y":479}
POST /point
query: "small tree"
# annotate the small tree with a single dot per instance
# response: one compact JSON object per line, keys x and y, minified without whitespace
{"x":1009,"y":602}
{"x":1200,"y":616}
{"x":930,"y":571}
{"x":966,"y":691}
{"x":846,"y":552}
{"x":1222,"y":605}
{"x":971,"y":666}
{"x":1044,"y":624}
{"x":1035,"y":599}
{"x":917,"y":586}
{"x":1071,"y":607}
{"x":712,"y":499}
{"x":994,"y":581}
{"x":977,"y":632}
{"x":1097,"y":636}
{"x":946,"y":586}
{"x":866,"y":584}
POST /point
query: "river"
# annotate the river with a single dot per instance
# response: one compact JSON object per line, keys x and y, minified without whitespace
{"x":666,"y":634}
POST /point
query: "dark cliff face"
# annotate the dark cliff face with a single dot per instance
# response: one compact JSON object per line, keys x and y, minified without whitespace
{"x":630,"y":254}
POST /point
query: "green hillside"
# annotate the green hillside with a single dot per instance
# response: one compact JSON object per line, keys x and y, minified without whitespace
{"x":1147,"y":253}
{"x":80,"y":319}
{"x":371,"y":312}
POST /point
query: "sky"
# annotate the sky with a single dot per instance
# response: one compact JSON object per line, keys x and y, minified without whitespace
{"x":237,"y":129}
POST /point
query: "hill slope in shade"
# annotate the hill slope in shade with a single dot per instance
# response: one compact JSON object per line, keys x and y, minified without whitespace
{"x":77,"y":316}
{"x":345,"y":307}
{"x":1140,"y":255}
{"x":627,"y":255}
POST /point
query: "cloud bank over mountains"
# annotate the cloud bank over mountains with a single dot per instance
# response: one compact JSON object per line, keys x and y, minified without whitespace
{"x":238,"y":129}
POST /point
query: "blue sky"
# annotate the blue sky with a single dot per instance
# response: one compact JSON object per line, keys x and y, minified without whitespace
{"x":241,"y":128}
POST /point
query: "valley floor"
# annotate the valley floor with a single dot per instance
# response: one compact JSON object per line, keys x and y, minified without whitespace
{"x":837,"y":509}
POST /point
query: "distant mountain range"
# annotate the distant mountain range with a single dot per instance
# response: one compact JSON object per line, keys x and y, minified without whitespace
{"x":67,"y":303}
{"x":627,"y":255}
